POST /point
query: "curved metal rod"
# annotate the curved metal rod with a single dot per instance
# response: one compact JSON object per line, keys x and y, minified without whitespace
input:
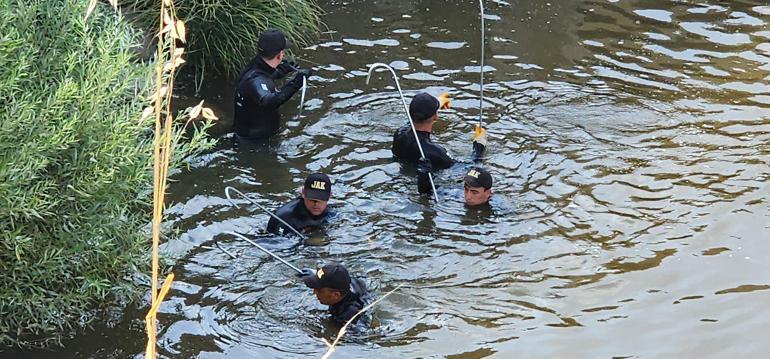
{"x":406,"y":108}
{"x":483,"y":38}
{"x":279,"y":219}
{"x":263,"y":249}
{"x":216,"y":243}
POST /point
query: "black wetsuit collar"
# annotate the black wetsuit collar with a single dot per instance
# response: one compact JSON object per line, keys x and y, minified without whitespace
{"x":424,"y":135}
{"x":302,"y":211}
{"x":343,"y":305}
{"x":261,"y":65}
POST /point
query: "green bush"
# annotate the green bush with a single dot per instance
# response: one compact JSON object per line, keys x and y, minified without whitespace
{"x":222,"y":34}
{"x":75,"y":165}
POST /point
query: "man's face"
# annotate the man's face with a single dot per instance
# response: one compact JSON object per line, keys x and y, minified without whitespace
{"x":475,"y":196}
{"x":314,"y":206}
{"x":328,"y":296}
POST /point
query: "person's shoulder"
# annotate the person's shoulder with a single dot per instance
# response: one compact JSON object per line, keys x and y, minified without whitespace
{"x":402,"y":131}
{"x":359,"y":285}
{"x":346,"y":313}
{"x":287,"y":208}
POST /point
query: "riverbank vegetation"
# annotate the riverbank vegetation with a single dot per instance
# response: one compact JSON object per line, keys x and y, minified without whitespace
{"x":76,"y":165}
{"x":223,"y":34}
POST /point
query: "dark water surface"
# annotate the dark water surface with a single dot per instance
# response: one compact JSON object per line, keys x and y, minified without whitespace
{"x":629,"y":143}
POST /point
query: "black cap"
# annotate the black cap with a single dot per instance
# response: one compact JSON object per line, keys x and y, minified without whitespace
{"x":423,"y":107}
{"x":318,"y":186}
{"x":272,"y":41}
{"x":333,"y":276}
{"x":478,"y":177}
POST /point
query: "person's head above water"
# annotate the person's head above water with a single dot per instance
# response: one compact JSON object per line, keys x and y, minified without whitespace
{"x":316,"y":193}
{"x":424,"y":110}
{"x":330,"y":284}
{"x":271,"y":46}
{"x":478,"y":186}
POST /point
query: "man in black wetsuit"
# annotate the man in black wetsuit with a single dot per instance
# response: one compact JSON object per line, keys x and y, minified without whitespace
{"x":477,"y":185}
{"x":256,"y":98}
{"x":424,"y":112}
{"x":307,"y":212}
{"x":333,"y":286}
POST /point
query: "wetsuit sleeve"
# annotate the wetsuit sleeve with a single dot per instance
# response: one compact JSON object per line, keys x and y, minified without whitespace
{"x":439,"y":157}
{"x":423,"y":183}
{"x":272,"y":226}
{"x":478,"y":152}
{"x":424,"y":168}
{"x":269,"y":100}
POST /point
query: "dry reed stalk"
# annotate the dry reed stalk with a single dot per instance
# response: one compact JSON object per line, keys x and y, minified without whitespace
{"x":344,"y":328}
{"x":168,"y":58}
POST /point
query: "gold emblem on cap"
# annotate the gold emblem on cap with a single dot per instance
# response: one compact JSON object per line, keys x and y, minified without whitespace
{"x":318,"y":185}
{"x":320,"y":273}
{"x":474,"y":173}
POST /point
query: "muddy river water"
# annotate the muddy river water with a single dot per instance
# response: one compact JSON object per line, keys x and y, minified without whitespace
{"x":629,"y":144}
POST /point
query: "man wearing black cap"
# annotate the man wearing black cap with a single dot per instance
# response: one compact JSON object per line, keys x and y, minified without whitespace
{"x":256,"y":98}
{"x":307,"y":212}
{"x":424,"y":112}
{"x":333,"y":286}
{"x":477,"y":185}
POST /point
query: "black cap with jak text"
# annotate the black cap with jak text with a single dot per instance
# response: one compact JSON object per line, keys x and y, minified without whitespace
{"x":318,"y":186}
{"x":478,"y":177}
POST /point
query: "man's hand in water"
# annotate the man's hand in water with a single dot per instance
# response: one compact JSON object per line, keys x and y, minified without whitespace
{"x":306,"y":272}
{"x":424,"y":166}
{"x":479,"y":142}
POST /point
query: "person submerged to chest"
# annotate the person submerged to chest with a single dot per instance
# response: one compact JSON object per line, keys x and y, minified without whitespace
{"x":307,"y":212}
{"x":333,"y":286}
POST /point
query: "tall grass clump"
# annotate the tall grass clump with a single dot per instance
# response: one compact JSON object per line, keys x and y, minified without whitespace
{"x":222,"y":34}
{"x":76,"y":165}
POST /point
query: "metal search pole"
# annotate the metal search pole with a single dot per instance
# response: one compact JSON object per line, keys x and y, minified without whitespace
{"x":302,"y":96}
{"x":279,"y":219}
{"x":263,"y":249}
{"x":483,"y":40}
{"x":406,"y":108}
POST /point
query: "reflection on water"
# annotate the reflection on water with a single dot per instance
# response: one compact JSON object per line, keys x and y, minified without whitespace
{"x":629,"y":139}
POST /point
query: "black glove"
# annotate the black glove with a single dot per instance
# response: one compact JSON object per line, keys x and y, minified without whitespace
{"x":305,"y":72}
{"x":296,"y":81}
{"x":284,"y":68}
{"x":424,"y":167}
{"x":478,"y":151}
{"x":306,"y":272}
